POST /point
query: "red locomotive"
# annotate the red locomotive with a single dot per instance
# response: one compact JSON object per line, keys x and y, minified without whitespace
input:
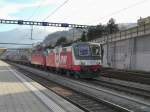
{"x":81,"y":60}
{"x":38,"y":58}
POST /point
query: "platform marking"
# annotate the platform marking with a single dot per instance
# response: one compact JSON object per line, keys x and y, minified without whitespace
{"x":51,"y":104}
{"x":4,"y":70}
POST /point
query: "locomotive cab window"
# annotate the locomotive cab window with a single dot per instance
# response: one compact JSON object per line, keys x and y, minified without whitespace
{"x":95,"y":49}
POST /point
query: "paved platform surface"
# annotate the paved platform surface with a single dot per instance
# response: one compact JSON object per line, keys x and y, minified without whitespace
{"x":19,"y":95}
{"x":15,"y":96}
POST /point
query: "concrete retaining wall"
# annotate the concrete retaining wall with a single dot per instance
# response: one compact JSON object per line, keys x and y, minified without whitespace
{"x":131,"y":53}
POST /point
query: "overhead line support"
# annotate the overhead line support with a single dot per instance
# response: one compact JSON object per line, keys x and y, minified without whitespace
{"x":16,"y":43}
{"x":37,"y":23}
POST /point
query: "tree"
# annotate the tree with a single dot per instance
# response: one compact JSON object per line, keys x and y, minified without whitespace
{"x":95,"y":32}
{"x":90,"y":33}
{"x":111,"y":27}
{"x":83,"y":37}
{"x":99,"y":30}
{"x":61,"y":40}
{"x":49,"y":46}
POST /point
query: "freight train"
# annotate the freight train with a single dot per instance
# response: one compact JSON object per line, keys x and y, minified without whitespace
{"x":80,"y":60}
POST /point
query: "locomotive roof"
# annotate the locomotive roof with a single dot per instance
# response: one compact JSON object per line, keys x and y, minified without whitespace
{"x":85,"y":42}
{"x":72,"y":44}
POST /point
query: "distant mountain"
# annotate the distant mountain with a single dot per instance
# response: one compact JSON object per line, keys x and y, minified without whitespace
{"x":24,"y":35}
{"x":21,"y":36}
{"x":124,"y":26}
{"x":70,"y":35}
{"x":53,"y":37}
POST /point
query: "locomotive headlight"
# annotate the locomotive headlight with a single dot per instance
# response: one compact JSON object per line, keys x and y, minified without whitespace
{"x":98,"y":62}
{"x":82,"y":63}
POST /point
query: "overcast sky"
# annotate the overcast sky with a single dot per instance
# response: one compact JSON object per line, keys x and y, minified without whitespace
{"x":74,"y":11}
{"x":86,"y":12}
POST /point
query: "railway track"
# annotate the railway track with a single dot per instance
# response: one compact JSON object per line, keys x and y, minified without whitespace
{"x":113,"y":99}
{"x":139,"y":77}
{"x":84,"y":102}
{"x":118,"y":87}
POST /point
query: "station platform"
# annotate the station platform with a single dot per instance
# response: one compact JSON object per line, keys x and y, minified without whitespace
{"x":18,"y":93}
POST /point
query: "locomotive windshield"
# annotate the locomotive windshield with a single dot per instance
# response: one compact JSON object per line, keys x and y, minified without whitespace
{"x":87,"y":51}
{"x":95,"y":49}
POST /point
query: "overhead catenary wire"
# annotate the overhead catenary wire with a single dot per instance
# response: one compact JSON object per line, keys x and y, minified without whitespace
{"x":32,"y":28}
{"x":57,"y":8}
{"x":121,"y":10}
{"x":126,"y":8}
{"x":35,"y":11}
{"x":53,"y":12}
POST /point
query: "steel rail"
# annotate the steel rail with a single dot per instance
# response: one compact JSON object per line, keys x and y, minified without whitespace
{"x":84,"y":102}
{"x":79,"y":86}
